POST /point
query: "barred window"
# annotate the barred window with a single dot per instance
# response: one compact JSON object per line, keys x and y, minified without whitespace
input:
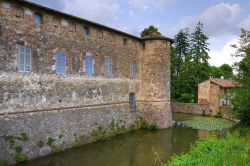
{"x":24,"y":59}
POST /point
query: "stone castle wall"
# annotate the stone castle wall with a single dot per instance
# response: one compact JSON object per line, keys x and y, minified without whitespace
{"x":74,"y":109}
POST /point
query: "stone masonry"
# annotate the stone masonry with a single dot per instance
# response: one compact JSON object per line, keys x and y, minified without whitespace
{"x":42,"y":112}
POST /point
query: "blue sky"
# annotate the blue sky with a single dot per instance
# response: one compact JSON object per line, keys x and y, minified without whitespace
{"x":222,"y":19}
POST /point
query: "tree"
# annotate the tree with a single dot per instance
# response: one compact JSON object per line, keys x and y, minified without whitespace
{"x":199,"y":51}
{"x":150,"y":31}
{"x":241,"y":102}
{"x":182,"y":47}
{"x":227,"y":71}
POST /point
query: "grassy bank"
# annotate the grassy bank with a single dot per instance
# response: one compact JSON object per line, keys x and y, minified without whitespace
{"x":214,"y":152}
{"x":232,"y":150}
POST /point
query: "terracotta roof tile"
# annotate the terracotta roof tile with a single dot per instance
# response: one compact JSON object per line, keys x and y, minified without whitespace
{"x":223,"y":83}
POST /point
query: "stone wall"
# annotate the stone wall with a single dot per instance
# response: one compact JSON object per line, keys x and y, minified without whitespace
{"x":42,"y":108}
{"x":190,"y":108}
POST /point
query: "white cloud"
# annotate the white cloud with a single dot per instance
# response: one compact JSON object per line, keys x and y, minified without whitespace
{"x":218,"y":20}
{"x":224,"y":55}
{"x":96,"y":10}
{"x":146,"y":4}
{"x":245,"y":23}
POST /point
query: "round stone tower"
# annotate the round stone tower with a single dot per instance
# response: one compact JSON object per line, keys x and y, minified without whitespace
{"x":155,"y":81}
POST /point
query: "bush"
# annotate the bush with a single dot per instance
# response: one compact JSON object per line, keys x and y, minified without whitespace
{"x":186,"y":98}
{"x":213,"y":152}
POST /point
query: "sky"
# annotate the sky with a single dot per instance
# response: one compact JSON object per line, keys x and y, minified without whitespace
{"x":222,"y":19}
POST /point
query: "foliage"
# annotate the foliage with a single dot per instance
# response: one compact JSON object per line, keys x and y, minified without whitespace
{"x":4,"y":162}
{"x":213,"y":152}
{"x":225,"y":71}
{"x":148,"y":126}
{"x":149,"y":31}
{"x":189,"y":59}
{"x":241,"y":102}
{"x":208,"y":123}
{"x":23,"y":137}
{"x":186,"y":98}
{"x":40,"y":144}
{"x":50,"y":141}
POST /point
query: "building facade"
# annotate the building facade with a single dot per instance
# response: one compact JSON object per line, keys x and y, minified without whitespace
{"x":64,"y":74}
{"x":217,"y":93}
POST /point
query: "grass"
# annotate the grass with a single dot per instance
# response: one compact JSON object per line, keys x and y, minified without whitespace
{"x":214,"y":152}
{"x":208,"y":123}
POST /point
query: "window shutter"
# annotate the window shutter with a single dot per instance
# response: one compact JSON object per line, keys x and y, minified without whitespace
{"x":21,"y":59}
{"x":132,"y":71}
{"x":27,"y":59}
{"x":89,"y":65}
{"x":109,"y":68}
{"x":60,"y":63}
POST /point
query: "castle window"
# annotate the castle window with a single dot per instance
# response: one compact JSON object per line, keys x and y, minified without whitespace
{"x":85,"y":31}
{"x":125,"y":41}
{"x":60,"y":63}
{"x":132,"y":102}
{"x":75,"y":64}
{"x":24,"y":59}
{"x":38,"y":19}
{"x":132,"y":70}
{"x":72,"y":27}
{"x":19,"y":12}
{"x":108,"y":68}
{"x":6,"y":5}
{"x":89,"y":67}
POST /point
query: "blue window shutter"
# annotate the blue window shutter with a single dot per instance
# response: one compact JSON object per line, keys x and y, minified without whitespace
{"x":89,"y":65}
{"x":38,"y":19}
{"x":24,"y":59}
{"x":109,"y":68}
{"x":60,"y":63}
{"x":132,"y":71}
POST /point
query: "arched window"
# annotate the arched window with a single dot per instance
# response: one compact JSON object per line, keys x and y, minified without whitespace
{"x":60,"y":63}
{"x":24,"y":59}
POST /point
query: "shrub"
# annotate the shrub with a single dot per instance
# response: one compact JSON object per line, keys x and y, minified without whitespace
{"x":213,"y":152}
{"x":186,"y":98}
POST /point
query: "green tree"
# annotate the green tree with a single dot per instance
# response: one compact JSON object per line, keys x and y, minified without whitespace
{"x":199,"y":51}
{"x":241,"y":101}
{"x":227,"y":71}
{"x":182,"y":48}
{"x":151,"y":30}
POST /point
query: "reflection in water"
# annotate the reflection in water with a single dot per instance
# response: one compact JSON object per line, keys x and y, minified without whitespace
{"x":139,"y":148}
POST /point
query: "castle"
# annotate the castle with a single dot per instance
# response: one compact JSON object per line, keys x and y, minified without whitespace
{"x":61,"y":75}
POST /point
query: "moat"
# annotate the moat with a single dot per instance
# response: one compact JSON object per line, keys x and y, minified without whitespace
{"x":138,"y":148}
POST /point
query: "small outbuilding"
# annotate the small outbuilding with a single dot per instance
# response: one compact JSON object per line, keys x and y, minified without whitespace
{"x":217,"y":93}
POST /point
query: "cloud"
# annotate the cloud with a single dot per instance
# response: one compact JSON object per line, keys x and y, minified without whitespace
{"x":245,"y":23}
{"x":51,"y":3}
{"x":224,"y":55}
{"x":146,"y":4}
{"x":96,"y":10}
{"x":218,"y":20}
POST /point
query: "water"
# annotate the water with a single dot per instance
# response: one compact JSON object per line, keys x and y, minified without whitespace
{"x":138,"y":148}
